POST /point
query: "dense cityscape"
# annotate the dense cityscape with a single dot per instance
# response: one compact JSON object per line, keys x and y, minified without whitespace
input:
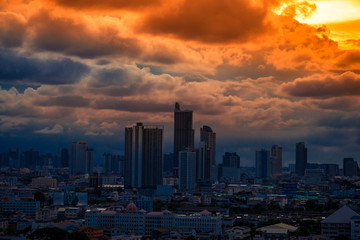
{"x":147,"y":194}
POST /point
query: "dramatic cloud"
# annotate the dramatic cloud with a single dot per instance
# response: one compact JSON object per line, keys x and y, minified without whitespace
{"x":12,"y":29}
{"x":346,"y":84}
{"x":17,"y":68}
{"x":210,"y":21}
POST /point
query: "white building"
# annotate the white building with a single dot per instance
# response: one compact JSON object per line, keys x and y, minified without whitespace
{"x":140,"y":222}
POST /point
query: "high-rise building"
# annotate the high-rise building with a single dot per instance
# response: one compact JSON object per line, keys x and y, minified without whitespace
{"x":262,"y":163}
{"x":350,"y":167}
{"x":187,"y":170}
{"x":81,"y":158}
{"x":14,"y":161}
{"x":144,"y":155}
{"x":276,"y":161}
{"x":301,"y":158}
{"x":231,"y":159}
{"x":206,"y":160}
{"x":30,"y":159}
{"x":229,"y":170}
{"x":107,"y":168}
{"x":183,"y":133}
{"x":64,"y":158}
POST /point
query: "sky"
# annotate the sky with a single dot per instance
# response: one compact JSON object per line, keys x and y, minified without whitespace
{"x":259,"y":72}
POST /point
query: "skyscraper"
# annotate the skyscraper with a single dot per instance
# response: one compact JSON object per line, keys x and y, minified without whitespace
{"x":64,"y":158}
{"x":107,"y":168}
{"x":81,"y":158}
{"x":183,"y":132}
{"x":350,"y":167}
{"x":144,"y":155}
{"x":187,"y":170}
{"x":262,"y":163}
{"x":276,"y":161}
{"x":301,"y":158}
{"x":206,"y":160}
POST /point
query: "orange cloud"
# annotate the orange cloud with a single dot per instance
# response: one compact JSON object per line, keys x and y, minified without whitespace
{"x":209,"y":21}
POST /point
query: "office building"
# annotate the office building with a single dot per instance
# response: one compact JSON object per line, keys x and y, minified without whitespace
{"x":81,"y":158}
{"x":183,"y":133}
{"x":30,"y":159}
{"x":64,"y":161}
{"x":229,"y":170}
{"x":276,"y":161}
{"x":187,"y":170}
{"x":262,"y":163}
{"x":14,"y":161}
{"x":350,"y":167}
{"x":231,"y":159}
{"x":206,"y":159}
{"x":301,"y":158}
{"x":144,"y":155}
{"x":107,"y":168}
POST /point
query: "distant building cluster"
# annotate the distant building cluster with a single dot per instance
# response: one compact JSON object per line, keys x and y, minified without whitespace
{"x":187,"y":194}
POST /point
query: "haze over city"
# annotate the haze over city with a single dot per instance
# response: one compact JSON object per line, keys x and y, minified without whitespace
{"x":258,"y":73}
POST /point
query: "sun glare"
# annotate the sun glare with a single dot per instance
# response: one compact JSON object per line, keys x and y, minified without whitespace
{"x":333,"y":11}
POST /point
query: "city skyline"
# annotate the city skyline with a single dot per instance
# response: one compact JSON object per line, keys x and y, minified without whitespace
{"x":259,"y":74}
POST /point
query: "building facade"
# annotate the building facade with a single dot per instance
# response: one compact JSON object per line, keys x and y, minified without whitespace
{"x":187,"y":170}
{"x":276,"y":161}
{"x":262,"y":163}
{"x":183,"y":133}
{"x":206,"y":159}
{"x":301,"y":158}
{"x":81,"y":158}
{"x":144,"y":155}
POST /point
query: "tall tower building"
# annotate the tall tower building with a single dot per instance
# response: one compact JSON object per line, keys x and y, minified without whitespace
{"x":81,"y":158}
{"x":350,"y":167}
{"x":187,"y":170}
{"x":183,"y":133}
{"x":262,"y":163}
{"x":144,"y":155}
{"x":64,"y":162}
{"x":301,"y":158}
{"x":206,"y":160}
{"x":14,"y":161}
{"x":276,"y":161}
{"x":107,"y":160}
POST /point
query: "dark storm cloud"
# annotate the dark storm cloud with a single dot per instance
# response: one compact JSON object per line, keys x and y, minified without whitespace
{"x":324,"y":86}
{"x":72,"y":37}
{"x":132,"y":106}
{"x":17,"y":68}
{"x":340,"y":121}
{"x":108,"y":4}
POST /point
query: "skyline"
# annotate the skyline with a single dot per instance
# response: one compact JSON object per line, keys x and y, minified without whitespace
{"x":257,"y":73}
